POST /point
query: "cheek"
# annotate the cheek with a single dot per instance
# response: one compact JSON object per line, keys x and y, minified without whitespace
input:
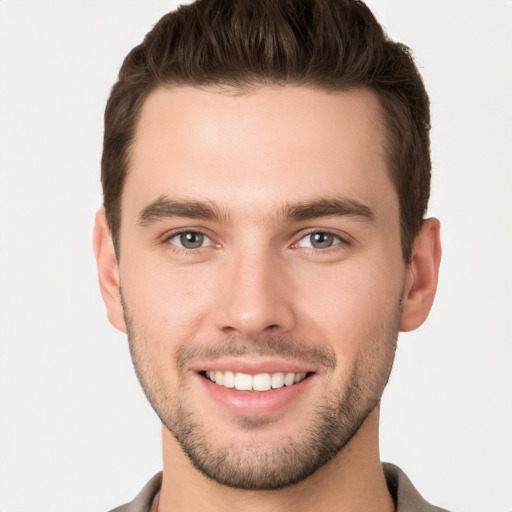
{"x":166,"y":302}
{"x":350,"y":306}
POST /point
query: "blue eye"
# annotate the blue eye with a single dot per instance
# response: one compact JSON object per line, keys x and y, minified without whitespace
{"x":190,"y":240}
{"x":319,"y":240}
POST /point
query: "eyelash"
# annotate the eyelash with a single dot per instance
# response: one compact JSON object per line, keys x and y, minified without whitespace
{"x":342,"y":242}
{"x":184,"y":250}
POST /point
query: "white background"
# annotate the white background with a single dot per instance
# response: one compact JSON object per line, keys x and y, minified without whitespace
{"x":75,"y":430}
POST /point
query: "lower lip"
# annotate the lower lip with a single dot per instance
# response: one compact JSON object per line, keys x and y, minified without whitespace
{"x":255,"y":403}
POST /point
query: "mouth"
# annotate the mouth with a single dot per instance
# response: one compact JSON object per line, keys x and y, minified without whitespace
{"x":256,"y":383}
{"x":265,"y":387}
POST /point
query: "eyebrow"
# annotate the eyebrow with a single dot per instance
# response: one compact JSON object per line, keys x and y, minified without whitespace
{"x":330,"y":207}
{"x":165,"y":207}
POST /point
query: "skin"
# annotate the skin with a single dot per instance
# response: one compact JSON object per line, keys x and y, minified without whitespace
{"x":257,"y":281}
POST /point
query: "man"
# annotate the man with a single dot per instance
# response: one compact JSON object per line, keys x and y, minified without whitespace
{"x":266,"y":173}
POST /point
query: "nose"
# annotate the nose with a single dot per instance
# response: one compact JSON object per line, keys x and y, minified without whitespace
{"x":255,"y":296}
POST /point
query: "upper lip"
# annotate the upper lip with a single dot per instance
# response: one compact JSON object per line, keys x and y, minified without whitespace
{"x":253,"y":366}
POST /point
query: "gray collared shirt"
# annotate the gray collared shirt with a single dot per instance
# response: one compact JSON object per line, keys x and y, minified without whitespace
{"x":406,"y":497}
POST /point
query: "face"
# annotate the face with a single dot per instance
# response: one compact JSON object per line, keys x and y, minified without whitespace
{"x":261,"y":274}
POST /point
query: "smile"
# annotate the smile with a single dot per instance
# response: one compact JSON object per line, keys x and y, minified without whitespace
{"x":259,"y":382}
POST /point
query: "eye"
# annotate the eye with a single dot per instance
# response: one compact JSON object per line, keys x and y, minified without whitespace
{"x":190,"y":240}
{"x":319,"y":240}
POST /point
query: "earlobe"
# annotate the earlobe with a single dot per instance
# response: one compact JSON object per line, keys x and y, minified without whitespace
{"x":421,"y":277}
{"x":108,"y":271}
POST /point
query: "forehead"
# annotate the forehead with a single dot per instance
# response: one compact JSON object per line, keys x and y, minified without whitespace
{"x":258,"y":148}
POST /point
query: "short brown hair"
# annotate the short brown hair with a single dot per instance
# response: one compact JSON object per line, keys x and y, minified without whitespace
{"x":332,"y":45}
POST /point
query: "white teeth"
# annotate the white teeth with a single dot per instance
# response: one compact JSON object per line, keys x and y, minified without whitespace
{"x":243,"y":382}
{"x":277,"y":380}
{"x":289,"y":379}
{"x":259,"y":382}
{"x":299,"y":377}
{"x":262,"y":382}
{"x":229,"y":379}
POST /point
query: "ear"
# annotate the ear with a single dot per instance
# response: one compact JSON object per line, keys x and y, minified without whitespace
{"x":108,"y":270}
{"x":421,"y":276}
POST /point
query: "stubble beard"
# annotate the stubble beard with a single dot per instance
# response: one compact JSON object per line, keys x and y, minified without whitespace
{"x":256,"y":465}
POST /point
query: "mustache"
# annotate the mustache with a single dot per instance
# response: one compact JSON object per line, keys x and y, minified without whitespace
{"x":273,"y":346}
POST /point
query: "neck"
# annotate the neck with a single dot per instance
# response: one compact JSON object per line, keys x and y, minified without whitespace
{"x":353,"y":481}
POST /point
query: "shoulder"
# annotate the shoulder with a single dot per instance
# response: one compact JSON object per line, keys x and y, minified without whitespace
{"x":406,"y":497}
{"x":144,"y":500}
